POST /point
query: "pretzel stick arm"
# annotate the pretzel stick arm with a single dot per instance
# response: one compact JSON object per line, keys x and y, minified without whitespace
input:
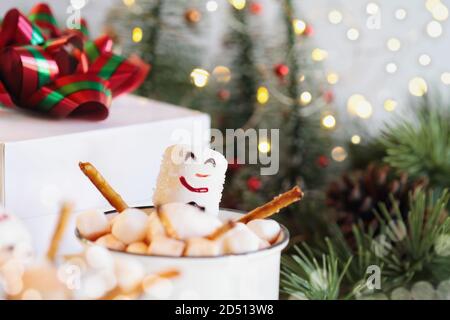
{"x":274,"y":206}
{"x":265,"y":211}
{"x":165,"y":221}
{"x":221,"y":231}
{"x":61,"y":225}
{"x":103,"y":186}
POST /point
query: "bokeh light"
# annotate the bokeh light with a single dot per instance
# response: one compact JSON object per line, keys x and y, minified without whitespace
{"x":338,"y":154}
{"x":222,"y":74}
{"x":199,"y":77}
{"x":445,"y":78}
{"x":352,"y":34}
{"x":424,"y":59}
{"x":332,"y":78}
{"x":319,"y":54}
{"x":434,"y":29}
{"x":390,"y":105}
{"x":262,"y":95}
{"x":238,"y":4}
{"x":391,"y":67}
{"x":359,"y":106}
{"x":355,"y":139}
{"x":400,"y":14}
{"x":299,"y":26}
{"x":364,"y":109}
{"x":417,"y":86}
{"x":305,"y":97}
{"x":335,"y":17}
{"x":264,"y":146}
{"x":329,"y":121}
{"x":128,"y":3}
{"x":211,"y":5}
{"x":137,"y":34}
{"x":393,"y":44}
{"x":372,"y":8}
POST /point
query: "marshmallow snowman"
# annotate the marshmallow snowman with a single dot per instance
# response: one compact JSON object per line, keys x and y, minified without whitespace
{"x":191,"y":175}
{"x":15,"y":240}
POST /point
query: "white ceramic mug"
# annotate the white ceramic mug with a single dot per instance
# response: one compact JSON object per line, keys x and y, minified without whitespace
{"x":252,"y":275}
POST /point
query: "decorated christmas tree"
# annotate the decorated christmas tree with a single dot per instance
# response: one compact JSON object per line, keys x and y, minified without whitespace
{"x":263,"y":79}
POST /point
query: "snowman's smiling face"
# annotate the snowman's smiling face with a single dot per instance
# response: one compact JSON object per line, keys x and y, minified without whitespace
{"x":204,"y":172}
{"x":193,"y":175}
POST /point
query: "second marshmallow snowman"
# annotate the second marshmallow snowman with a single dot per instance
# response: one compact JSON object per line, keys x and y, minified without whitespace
{"x":191,"y":175}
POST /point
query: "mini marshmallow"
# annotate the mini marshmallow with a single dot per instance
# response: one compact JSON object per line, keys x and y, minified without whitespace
{"x":189,"y":221}
{"x":130,"y":226}
{"x":166,"y":247}
{"x":198,"y":247}
{"x":240,"y":239}
{"x":99,"y":257}
{"x":93,"y":286}
{"x":154,"y":227}
{"x":191,"y":175}
{"x":111,"y":242}
{"x":92,"y":224}
{"x":137,"y":247}
{"x":266,"y":229}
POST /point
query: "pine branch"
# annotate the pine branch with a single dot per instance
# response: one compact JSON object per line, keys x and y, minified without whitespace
{"x":406,"y":250}
{"x":422,"y":147}
{"x":414,"y":255}
{"x":305,"y":277}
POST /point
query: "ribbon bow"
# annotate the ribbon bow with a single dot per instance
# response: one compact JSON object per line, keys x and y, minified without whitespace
{"x":61,"y":73}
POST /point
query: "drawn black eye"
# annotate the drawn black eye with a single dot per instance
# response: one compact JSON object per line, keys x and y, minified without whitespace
{"x":212,"y":161}
{"x":189,"y":155}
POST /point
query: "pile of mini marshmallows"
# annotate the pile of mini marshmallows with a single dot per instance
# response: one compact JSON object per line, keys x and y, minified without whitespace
{"x":93,"y":274}
{"x":135,"y":231}
{"x":188,"y":193}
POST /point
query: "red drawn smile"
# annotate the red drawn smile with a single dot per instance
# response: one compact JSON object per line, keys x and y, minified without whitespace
{"x":201,"y":175}
{"x":191,"y":188}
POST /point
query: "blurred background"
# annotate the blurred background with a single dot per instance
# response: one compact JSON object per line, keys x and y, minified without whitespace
{"x":374,"y":48}
{"x":358,"y":89}
{"x":359,"y":92}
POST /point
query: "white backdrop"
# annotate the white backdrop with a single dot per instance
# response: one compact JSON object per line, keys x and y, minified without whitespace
{"x":360,"y":64}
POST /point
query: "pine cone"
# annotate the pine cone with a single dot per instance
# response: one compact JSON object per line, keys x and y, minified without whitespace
{"x":354,"y":196}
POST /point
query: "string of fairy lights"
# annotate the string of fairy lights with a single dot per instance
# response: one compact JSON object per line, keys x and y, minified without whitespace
{"x":357,"y":104}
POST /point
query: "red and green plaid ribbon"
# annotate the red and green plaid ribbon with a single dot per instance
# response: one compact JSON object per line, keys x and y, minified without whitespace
{"x":61,"y":73}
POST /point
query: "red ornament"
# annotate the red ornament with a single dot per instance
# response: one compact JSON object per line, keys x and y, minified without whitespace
{"x":223,"y":94}
{"x":256,"y":8}
{"x":254,"y":183}
{"x":328,"y":96}
{"x":322,"y":161}
{"x":281,"y":70}
{"x":309,"y":30}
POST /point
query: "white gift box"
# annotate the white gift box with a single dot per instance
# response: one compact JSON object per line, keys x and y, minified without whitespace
{"x":39,"y":158}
